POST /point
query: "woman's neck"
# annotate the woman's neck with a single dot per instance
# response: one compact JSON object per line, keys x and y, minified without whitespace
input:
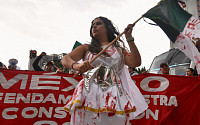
{"x":103,"y":40}
{"x":104,"y":43}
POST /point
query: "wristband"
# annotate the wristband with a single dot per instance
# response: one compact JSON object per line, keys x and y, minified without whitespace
{"x":73,"y":64}
{"x":130,"y":39}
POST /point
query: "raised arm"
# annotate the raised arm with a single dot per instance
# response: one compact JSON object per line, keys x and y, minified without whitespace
{"x":132,"y":59}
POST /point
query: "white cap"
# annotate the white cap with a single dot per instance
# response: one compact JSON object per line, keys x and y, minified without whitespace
{"x":13,"y":61}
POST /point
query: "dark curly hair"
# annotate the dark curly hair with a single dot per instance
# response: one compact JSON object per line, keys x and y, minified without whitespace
{"x":112,"y":33}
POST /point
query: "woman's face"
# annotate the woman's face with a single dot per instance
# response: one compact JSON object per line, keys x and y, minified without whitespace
{"x":98,"y":28}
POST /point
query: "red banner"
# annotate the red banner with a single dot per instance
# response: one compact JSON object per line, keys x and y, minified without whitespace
{"x":37,"y":98}
{"x":172,"y":100}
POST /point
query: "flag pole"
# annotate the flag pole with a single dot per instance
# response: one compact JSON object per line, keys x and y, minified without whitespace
{"x":102,"y":51}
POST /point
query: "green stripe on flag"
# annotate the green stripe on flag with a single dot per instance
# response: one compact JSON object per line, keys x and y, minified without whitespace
{"x":76,"y":45}
{"x":170,"y":17}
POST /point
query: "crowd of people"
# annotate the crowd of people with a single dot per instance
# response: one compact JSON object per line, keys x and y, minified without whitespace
{"x":50,"y":66}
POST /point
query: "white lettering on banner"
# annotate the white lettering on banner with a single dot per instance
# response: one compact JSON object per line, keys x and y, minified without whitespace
{"x":39,"y":97}
{"x":50,"y":123}
{"x":66,"y":123}
{"x":39,"y":82}
{"x":1,"y":94}
{"x":47,"y":113}
{"x":34,"y":112}
{"x":61,"y":113}
{"x":50,"y":98}
{"x":173,"y":101}
{"x":63,"y":99}
{"x":145,"y":83}
{"x":155,"y":116}
{"x":10,"y":98}
{"x":45,"y":122}
{"x":5,"y":113}
{"x":148,"y":113}
{"x":7,"y":84}
{"x":36,"y":81}
{"x":163,"y":100}
{"x":28,"y":109}
{"x":35,"y":98}
{"x":71,"y":80}
{"x":146,"y":97}
{"x":155,"y":97}
{"x":22,"y":98}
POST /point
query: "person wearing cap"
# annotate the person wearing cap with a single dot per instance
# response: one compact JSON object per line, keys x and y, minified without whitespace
{"x":164,"y":68}
{"x":49,"y":66}
{"x":13,"y":64}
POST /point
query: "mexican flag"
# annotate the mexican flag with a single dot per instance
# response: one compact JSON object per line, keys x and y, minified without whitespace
{"x":76,"y":44}
{"x":181,"y":27}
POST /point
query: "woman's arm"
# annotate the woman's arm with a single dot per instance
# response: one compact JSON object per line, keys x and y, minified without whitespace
{"x":132,"y":59}
{"x":70,"y":60}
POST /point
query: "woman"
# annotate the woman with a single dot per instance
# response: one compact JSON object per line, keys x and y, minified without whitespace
{"x":107,"y":94}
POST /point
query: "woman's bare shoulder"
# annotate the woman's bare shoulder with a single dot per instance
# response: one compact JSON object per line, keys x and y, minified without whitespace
{"x":79,"y":52}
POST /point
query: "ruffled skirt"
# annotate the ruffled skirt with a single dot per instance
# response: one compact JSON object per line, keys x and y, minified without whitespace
{"x":94,"y":106}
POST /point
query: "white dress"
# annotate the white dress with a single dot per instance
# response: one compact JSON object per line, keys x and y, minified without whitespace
{"x":113,"y":103}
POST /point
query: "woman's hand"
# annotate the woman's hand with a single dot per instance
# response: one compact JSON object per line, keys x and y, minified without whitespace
{"x":128,"y":30}
{"x":82,"y":67}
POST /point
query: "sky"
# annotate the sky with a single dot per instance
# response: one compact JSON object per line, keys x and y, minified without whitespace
{"x":53,"y":26}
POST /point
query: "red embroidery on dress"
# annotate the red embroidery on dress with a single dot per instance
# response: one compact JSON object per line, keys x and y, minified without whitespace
{"x":184,"y":47}
{"x":76,"y":93}
{"x":127,"y":106}
{"x":110,"y":114}
{"x":94,"y":118}
{"x":111,"y":51}
{"x":84,"y":101}
{"x":92,"y":56}
{"x":90,"y":104}
{"x":69,"y":100}
{"x":193,"y":24}
{"x":127,"y":121}
{"x":119,"y":84}
{"x":180,"y":37}
{"x":107,"y":98}
{"x":74,"y":116}
{"x":80,"y":116}
{"x":198,"y":61}
{"x":188,"y":34}
{"x":89,"y":56}
{"x":84,"y":118}
{"x":113,"y":103}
